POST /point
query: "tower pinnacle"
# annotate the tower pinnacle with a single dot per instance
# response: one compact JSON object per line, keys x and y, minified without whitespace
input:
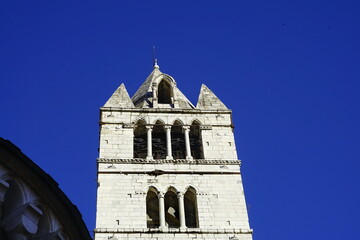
{"x":156,"y":64}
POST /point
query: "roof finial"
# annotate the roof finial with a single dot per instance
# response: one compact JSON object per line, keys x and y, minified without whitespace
{"x":155,"y":59}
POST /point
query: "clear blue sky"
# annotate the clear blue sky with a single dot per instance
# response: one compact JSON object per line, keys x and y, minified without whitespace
{"x":289,"y":70}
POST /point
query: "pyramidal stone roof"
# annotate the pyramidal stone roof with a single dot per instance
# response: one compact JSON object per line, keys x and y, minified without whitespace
{"x":143,"y":92}
{"x":209,"y":101}
{"x":120,"y":99}
{"x":142,"y":97}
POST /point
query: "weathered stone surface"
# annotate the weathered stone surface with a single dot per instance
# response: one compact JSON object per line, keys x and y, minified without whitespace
{"x":125,"y":181}
{"x":120,"y":99}
{"x":208,"y":100}
{"x":32,"y":206}
{"x":146,"y":95}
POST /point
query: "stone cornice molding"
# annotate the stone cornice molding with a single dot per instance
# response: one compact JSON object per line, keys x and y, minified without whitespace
{"x":173,"y":230}
{"x":128,"y":125}
{"x":172,"y":161}
{"x":205,"y":127}
{"x":164,"y":110}
{"x":132,"y":125}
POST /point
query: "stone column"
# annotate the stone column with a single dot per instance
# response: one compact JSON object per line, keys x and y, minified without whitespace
{"x":149,"y":143}
{"x":155,"y":97}
{"x":161,"y":210}
{"x":180,"y":196}
{"x":187,"y":142}
{"x":168,"y":142}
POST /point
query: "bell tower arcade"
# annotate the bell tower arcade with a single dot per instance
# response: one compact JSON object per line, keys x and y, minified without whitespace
{"x":168,"y":169}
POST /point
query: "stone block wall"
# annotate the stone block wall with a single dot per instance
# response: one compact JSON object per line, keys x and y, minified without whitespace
{"x":123,"y":182}
{"x":117,"y":131}
{"x":123,"y":187}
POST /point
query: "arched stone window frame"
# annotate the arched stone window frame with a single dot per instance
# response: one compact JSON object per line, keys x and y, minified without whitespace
{"x":140,"y":139}
{"x":159,"y":140}
{"x":152,"y":213}
{"x":197,"y":150}
{"x":191,"y":207}
{"x":155,"y":88}
{"x":172,"y":211}
{"x":178,"y":140}
{"x":18,"y":203}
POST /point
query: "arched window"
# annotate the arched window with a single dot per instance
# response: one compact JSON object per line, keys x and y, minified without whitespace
{"x":152,"y":209}
{"x":178,"y":141}
{"x":159,"y":141}
{"x":44,"y":226}
{"x":164,"y":92}
{"x":171,"y":209}
{"x":13,"y":198}
{"x":195,"y":141}
{"x":140,"y":138}
{"x":191,"y":218}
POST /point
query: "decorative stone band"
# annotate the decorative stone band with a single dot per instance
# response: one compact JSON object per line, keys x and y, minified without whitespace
{"x":173,"y":161}
{"x":128,"y":125}
{"x":173,"y":230}
{"x":132,"y":125}
{"x":206,"y":127}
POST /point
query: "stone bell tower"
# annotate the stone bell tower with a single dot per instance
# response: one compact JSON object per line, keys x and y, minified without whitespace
{"x":168,"y":169}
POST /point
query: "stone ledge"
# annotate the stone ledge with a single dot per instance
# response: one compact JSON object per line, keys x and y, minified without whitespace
{"x":165,"y":110}
{"x":172,"y":161}
{"x":173,"y":230}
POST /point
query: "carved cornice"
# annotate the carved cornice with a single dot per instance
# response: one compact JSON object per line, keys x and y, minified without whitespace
{"x":172,"y":161}
{"x":165,"y":110}
{"x":205,"y":127}
{"x":173,"y":230}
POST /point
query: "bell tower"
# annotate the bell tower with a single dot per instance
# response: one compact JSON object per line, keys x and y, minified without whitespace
{"x":168,"y":169}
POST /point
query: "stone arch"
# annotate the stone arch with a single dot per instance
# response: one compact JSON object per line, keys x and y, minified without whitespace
{"x":152,"y":208}
{"x":152,"y":188}
{"x":178,"y":140}
{"x":45,"y":225}
{"x":172,"y":218}
{"x":159,"y":121}
{"x":191,"y":211}
{"x":15,"y":195}
{"x":159,"y":140}
{"x":13,"y":209}
{"x":164,"y":89}
{"x":140,"y":139}
{"x":140,"y":119}
{"x":178,"y":121}
{"x":191,"y":187}
{"x":197,"y":121}
{"x":171,"y":188}
{"x":164,"y":92}
{"x":196,"y":140}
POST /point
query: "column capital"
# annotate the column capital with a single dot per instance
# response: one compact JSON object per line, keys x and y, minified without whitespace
{"x":167,"y":127}
{"x":186,"y":128}
{"x":180,"y":194}
{"x":161,"y":194}
{"x":149,"y":127}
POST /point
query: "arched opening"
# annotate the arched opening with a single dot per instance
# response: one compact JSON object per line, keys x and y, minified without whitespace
{"x":159,"y":140}
{"x":140,"y":138}
{"x":171,"y":209}
{"x":178,"y":141}
{"x":195,"y":141}
{"x":164,"y":92}
{"x":191,"y":219}
{"x":12,"y":206}
{"x":44,"y":227}
{"x":152,"y":210}
{"x":13,"y":198}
